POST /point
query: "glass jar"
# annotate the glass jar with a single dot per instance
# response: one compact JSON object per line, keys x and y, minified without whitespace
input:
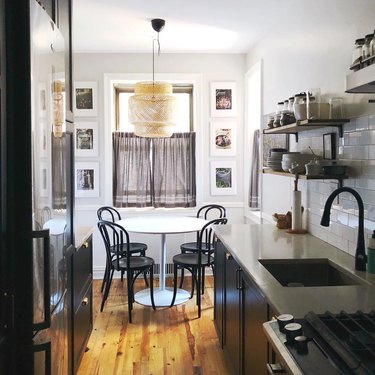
{"x":276,"y":122}
{"x":372,"y":46}
{"x":290,"y":104}
{"x":357,"y":52}
{"x":279,"y":108}
{"x":366,"y":46}
{"x":299,"y":106}
{"x":271,"y":120}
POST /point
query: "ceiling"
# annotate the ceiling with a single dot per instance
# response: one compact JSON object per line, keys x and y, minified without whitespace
{"x":202,"y":26}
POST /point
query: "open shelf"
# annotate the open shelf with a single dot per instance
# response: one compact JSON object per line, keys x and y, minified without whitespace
{"x":304,"y":125}
{"x":305,"y":177}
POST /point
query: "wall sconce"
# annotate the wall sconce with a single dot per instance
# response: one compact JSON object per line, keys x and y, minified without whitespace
{"x":151,"y":108}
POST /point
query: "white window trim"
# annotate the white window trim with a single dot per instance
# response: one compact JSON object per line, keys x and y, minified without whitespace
{"x":111,"y":79}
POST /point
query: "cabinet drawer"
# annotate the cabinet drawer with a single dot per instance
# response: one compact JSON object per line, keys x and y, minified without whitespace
{"x":82,"y":272}
{"x":82,"y":326}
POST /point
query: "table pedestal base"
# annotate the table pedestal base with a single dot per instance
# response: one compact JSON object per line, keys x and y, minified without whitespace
{"x":162,"y":298}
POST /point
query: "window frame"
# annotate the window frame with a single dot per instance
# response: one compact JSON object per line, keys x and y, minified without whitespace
{"x":184,"y":88}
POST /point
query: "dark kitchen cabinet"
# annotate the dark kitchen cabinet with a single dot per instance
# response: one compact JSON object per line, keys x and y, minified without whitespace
{"x":81,"y":312}
{"x":239,"y":312}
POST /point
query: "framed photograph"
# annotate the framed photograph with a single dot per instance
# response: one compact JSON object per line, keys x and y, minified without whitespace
{"x":223,"y":99}
{"x":43,"y":180}
{"x":223,"y":139}
{"x":43,"y":138}
{"x":86,"y":138}
{"x":86,"y":180}
{"x":85,"y":99}
{"x":223,"y":178}
{"x":42,"y":99}
{"x":329,"y":146}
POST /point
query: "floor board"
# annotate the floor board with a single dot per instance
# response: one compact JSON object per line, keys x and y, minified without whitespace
{"x":165,"y":341}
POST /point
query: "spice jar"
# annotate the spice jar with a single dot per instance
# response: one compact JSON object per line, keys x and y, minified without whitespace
{"x":271,"y":120}
{"x":279,"y":108}
{"x":287,"y":116}
{"x":372,"y":46}
{"x":357,"y":52}
{"x":299,"y":106}
{"x":276,"y":122}
{"x":366,"y":46}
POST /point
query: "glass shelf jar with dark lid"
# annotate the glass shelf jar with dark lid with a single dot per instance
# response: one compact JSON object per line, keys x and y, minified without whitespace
{"x":357,"y":53}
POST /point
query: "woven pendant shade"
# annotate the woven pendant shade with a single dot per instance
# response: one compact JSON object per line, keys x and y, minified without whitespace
{"x":151,"y":109}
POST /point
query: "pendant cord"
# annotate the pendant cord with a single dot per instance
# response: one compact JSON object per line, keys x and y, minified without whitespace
{"x":153,"y":56}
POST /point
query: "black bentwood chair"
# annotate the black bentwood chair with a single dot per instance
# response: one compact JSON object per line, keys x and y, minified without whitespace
{"x":208,"y":212}
{"x":111,"y":214}
{"x":116,"y":239}
{"x":195,"y":262}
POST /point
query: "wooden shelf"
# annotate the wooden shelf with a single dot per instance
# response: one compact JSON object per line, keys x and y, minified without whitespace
{"x":304,"y":125}
{"x":305,"y":177}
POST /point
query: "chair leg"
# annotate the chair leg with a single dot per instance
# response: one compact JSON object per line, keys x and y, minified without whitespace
{"x":152,"y":287}
{"x":174,"y":284}
{"x":202,"y":281}
{"x":198,"y":291}
{"x":182,"y":278}
{"x":143,"y":253}
{"x":130,"y":294}
{"x":107,"y":287}
{"x":104,"y":278}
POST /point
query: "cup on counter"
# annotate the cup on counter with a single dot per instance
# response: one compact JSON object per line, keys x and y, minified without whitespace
{"x":336,"y":108}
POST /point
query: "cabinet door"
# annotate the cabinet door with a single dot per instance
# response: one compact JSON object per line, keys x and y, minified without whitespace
{"x":232,"y":312}
{"x":219,"y":278}
{"x":254,"y":314}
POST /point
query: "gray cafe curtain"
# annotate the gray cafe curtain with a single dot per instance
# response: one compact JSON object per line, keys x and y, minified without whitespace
{"x":254,"y":174}
{"x":131,"y":170}
{"x":174,"y":171}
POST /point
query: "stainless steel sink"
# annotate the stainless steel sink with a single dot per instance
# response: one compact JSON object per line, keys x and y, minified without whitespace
{"x":309,"y":272}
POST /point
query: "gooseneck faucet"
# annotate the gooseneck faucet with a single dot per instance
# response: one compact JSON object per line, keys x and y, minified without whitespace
{"x":360,"y":253}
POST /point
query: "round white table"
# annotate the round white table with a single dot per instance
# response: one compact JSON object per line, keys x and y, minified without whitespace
{"x":156,"y":224}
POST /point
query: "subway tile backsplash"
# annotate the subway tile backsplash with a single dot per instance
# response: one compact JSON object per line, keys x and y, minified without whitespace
{"x":357,"y":151}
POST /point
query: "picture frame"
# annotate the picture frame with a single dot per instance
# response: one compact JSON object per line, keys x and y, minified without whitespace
{"x":42,"y":99}
{"x":43,"y":180}
{"x":86,"y":179}
{"x":223,"y":138}
{"x":329,"y":146}
{"x":223,"y":99}
{"x":223,"y":178}
{"x":85,"y":99}
{"x":86,"y":139}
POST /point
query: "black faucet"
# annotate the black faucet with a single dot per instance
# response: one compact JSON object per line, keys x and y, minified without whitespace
{"x":360,"y":253}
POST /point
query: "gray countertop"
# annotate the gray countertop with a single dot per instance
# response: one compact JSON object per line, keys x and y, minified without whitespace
{"x":81,"y":234}
{"x":250,"y":242}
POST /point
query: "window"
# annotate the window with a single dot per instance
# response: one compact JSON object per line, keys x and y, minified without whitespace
{"x":154,"y":172}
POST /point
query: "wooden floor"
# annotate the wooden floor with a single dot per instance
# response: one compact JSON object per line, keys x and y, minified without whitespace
{"x":165,"y":341}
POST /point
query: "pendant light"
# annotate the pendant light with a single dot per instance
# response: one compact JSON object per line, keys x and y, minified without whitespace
{"x":151,"y":108}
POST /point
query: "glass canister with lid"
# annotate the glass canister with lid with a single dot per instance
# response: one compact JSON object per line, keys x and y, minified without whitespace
{"x":366,"y":46}
{"x":372,"y":45}
{"x":357,"y":53}
{"x":279,"y":109}
{"x":299,"y":106}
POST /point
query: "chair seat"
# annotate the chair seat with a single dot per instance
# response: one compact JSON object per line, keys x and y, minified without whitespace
{"x":193,"y":246}
{"x":135,"y":247}
{"x":136,"y":263}
{"x":190,"y":259}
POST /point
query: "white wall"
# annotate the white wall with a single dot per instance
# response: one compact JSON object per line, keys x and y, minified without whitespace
{"x":309,"y":46}
{"x":209,"y":67}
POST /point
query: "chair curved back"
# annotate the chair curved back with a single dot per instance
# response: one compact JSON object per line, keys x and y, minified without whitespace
{"x":206,"y":239}
{"x":116,"y":239}
{"x":108,"y":213}
{"x":213,"y":211}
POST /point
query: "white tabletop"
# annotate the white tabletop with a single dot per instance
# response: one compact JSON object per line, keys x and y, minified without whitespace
{"x":155,"y":224}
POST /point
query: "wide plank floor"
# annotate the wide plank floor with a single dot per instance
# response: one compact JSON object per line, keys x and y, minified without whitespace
{"x":165,"y":341}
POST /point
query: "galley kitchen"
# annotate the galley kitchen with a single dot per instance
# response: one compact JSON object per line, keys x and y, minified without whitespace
{"x":187,"y":188}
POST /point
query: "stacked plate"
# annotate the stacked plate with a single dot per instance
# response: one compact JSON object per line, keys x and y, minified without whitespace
{"x":274,"y":160}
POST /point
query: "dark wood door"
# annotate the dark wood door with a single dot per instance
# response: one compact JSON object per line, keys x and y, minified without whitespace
{"x":254,"y":342}
{"x":232,"y":312}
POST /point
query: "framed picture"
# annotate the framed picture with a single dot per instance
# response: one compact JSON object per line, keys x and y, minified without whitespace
{"x":223,"y":139}
{"x":329,"y":146}
{"x":87,"y":180}
{"x":42,"y":99}
{"x":43,"y":138}
{"x":85,"y":99}
{"x":223,"y":178}
{"x":223,"y":99}
{"x":86,"y":138}
{"x":43,"y":180}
